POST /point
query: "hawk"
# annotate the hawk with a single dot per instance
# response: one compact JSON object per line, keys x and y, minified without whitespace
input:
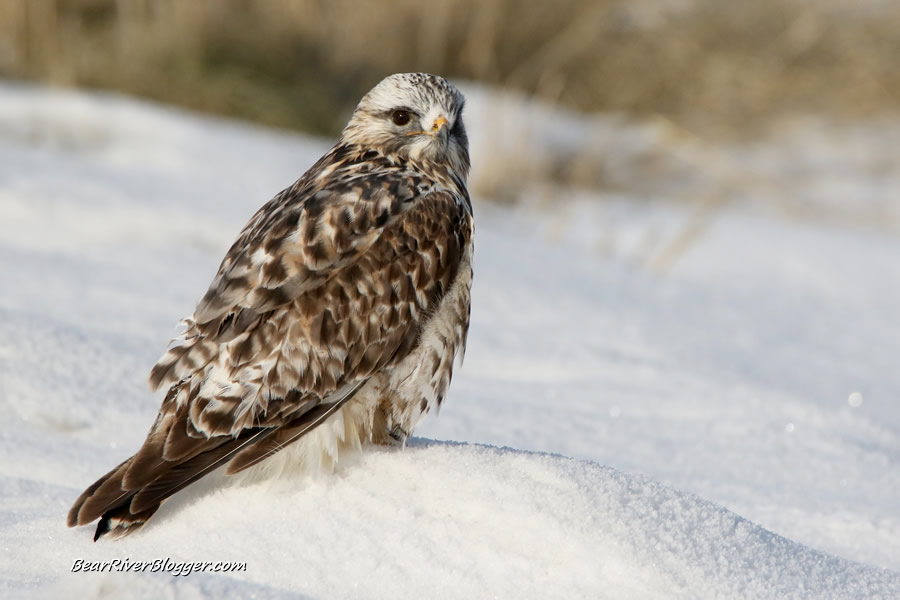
{"x":337,"y":314}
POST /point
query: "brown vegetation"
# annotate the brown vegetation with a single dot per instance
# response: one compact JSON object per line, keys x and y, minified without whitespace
{"x":712,"y":65}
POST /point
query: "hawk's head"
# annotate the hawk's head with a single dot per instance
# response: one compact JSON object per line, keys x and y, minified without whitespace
{"x":413,"y":115}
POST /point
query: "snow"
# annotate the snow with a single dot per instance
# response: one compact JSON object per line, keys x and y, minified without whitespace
{"x":724,"y":428}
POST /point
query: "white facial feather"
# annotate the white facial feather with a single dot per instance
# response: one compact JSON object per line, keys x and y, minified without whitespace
{"x":427,"y":98}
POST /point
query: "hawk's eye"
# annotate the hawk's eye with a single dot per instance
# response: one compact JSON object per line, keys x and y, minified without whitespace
{"x":400,"y":117}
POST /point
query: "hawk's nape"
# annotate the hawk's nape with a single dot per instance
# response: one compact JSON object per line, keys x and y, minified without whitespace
{"x":340,"y":308}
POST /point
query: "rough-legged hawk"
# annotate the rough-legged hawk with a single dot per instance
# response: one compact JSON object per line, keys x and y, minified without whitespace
{"x":337,"y":312}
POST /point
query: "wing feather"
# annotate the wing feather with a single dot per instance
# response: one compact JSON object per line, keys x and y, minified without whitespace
{"x":293,"y":245}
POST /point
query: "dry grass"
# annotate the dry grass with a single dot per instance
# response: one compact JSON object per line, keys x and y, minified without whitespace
{"x":712,"y":66}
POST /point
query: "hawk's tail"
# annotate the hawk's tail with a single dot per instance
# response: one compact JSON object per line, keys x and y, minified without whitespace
{"x":120,"y":521}
{"x":126,"y":497}
{"x":123,"y":509}
{"x":107,"y":498}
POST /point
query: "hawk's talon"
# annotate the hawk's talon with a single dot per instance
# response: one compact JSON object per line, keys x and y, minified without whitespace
{"x":399,"y":435}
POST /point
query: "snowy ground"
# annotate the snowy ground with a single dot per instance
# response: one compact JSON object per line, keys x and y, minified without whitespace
{"x":725,"y":428}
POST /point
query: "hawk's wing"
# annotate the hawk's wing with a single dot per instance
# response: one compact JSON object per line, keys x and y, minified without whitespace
{"x":324,"y":288}
{"x":293,"y":245}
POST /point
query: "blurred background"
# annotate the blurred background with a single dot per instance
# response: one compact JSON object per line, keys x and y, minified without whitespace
{"x":781,"y":104}
{"x":723,"y":68}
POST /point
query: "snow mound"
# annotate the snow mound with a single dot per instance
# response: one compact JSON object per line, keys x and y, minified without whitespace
{"x":457,"y":520}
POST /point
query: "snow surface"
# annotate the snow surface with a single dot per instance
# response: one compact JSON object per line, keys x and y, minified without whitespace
{"x":725,"y":429}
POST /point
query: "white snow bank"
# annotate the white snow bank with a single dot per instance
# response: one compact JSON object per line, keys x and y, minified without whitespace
{"x":444,"y":520}
{"x":729,"y":378}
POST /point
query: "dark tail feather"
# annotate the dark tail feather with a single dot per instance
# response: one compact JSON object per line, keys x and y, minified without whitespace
{"x":125,"y":500}
{"x":122,"y":510}
{"x":79,"y":514}
{"x":186,"y":473}
{"x":142,"y":503}
{"x":96,"y":501}
{"x":121,"y":521}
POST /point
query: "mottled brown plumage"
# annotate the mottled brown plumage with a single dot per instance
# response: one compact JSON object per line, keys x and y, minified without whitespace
{"x":343,"y":301}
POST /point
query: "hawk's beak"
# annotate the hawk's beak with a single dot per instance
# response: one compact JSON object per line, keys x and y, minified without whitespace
{"x":439,"y":124}
{"x":439,"y":127}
